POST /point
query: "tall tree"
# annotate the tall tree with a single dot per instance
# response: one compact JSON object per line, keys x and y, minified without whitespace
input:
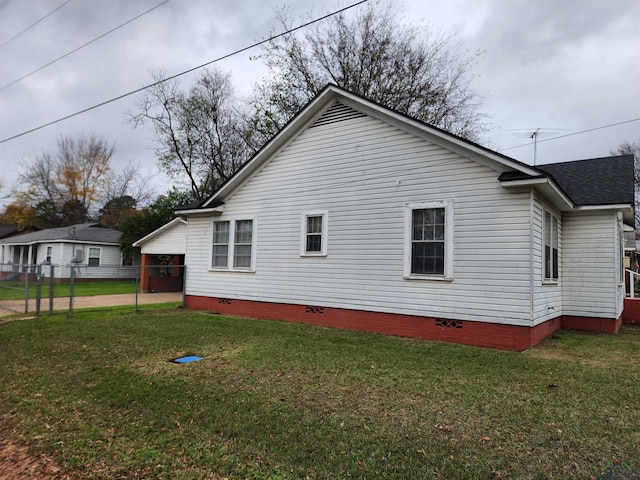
{"x":199,"y":134}
{"x":64,"y":187}
{"x":407,"y":68}
{"x":142,"y":222}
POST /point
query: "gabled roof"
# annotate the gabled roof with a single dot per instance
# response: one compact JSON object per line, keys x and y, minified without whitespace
{"x":569,"y":185}
{"x":326,"y":99}
{"x":167,"y":226}
{"x":81,"y":233}
{"x":596,"y":181}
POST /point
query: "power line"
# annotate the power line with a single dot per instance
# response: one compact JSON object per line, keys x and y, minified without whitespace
{"x":574,"y":133}
{"x":82,"y":46}
{"x":33,"y":24}
{"x":133,"y":92}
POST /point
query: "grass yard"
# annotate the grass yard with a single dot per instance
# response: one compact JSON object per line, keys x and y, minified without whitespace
{"x":15,"y":290}
{"x":275,"y":400}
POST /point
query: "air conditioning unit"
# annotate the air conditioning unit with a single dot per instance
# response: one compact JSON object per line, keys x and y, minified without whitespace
{"x":78,"y":256}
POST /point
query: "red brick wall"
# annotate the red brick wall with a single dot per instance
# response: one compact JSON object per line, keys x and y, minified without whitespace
{"x":506,"y":337}
{"x":589,"y":324}
{"x":631,"y":313}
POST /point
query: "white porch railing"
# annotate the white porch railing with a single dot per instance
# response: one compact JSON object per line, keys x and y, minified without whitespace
{"x":633,"y":278}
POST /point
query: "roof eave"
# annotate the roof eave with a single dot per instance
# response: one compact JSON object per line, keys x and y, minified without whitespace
{"x":547,"y":187}
{"x":195,"y":211}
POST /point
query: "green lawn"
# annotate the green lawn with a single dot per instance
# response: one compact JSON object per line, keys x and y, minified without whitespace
{"x":275,"y":400}
{"x":15,"y":290}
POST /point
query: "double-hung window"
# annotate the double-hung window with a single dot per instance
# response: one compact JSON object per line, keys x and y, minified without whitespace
{"x":233,"y":244}
{"x":49,"y":249}
{"x":429,"y":241}
{"x":94,"y":257}
{"x":313,"y":241}
{"x":550,"y":241}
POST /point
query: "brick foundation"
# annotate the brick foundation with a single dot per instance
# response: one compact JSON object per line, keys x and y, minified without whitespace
{"x":505,"y":337}
{"x":589,"y":324}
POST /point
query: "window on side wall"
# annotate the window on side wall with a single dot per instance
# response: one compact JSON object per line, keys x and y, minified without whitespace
{"x":48,"y":259}
{"x":550,"y":242}
{"x":313,"y":241}
{"x":429,"y":241}
{"x":94,"y":257}
{"x":233,"y":245}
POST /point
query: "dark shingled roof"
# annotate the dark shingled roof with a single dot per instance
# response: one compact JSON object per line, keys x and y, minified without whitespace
{"x":7,"y":231}
{"x":83,"y":232}
{"x":597,"y":181}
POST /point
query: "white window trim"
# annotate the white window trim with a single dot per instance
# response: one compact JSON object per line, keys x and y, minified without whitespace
{"x":232,"y":219}
{"x":545,"y":280}
{"x":324,"y":237}
{"x":99,"y":257}
{"x":448,"y":239}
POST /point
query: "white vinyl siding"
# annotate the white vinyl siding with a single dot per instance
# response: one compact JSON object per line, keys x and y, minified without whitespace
{"x":365,"y":172}
{"x":547,"y":295}
{"x":171,"y":241}
{"x":590,"y":265}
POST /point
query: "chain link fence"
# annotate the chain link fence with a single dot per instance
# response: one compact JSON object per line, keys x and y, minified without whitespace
{"x":46,"y":288}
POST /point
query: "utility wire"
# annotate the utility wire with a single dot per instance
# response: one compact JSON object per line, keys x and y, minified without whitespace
{"x":574,"y":133}
{"x":33,"y":24}
{"x":133,"y":92}
{"x":82,"y":46}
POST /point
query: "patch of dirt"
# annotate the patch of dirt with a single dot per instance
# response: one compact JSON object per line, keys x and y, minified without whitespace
{"x":16,"y":462}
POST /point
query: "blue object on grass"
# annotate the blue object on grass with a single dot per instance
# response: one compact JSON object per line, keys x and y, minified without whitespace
{"x":187,"y":359}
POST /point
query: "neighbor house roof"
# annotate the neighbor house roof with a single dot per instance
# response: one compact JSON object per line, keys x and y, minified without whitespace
{"x":596,"y":181}
{"x":8,"y":231}
{"x":81,"y":233}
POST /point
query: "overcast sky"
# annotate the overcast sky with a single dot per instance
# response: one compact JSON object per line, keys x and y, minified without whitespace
{"x":563,"y":66}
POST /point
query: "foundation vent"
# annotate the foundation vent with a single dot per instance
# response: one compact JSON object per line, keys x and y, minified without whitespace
{"x":337,"y":113}
{"x":315,"y":310}
{"x":446,"y":323}
{"x":225,"y":301}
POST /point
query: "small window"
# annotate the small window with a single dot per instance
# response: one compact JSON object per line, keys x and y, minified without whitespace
{"x":233,"y":245}
{"x":550,"y":234}
{"x":313,"y":241}
{"x":94,"y":257}
{"x":429,"y":241}
{"x":49,"y":249}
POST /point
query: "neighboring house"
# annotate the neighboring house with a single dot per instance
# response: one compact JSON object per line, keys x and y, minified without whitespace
{"x":89,"y":246}
{"x":358,"y":217}
{"x":162,"y":257}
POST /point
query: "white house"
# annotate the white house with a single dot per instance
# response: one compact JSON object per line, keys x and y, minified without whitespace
{"x":356,"y":216}
{"x":91,"y":247}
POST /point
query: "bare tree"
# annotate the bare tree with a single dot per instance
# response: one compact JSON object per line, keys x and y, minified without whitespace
{"x":64,"y":187}
{"x":413,"y":70}
{"x":199,"y":134}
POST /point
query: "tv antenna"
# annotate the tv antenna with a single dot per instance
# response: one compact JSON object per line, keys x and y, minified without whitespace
{"x":535,"y":133}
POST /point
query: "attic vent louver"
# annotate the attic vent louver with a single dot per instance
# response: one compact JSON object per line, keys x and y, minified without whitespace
{"x":337,"y":113}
